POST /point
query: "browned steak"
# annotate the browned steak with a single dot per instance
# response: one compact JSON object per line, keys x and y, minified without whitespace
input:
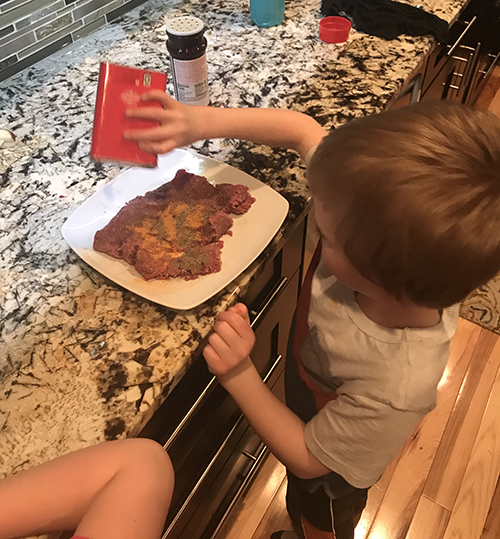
{"x":175,"y":230}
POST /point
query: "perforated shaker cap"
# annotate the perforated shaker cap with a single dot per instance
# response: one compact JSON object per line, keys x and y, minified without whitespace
{"x":184,"y":26}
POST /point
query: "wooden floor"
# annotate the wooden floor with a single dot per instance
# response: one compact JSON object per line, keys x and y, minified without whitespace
{"x":445,"y":483}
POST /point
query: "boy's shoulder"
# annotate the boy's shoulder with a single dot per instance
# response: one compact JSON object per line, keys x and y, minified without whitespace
{"x":398,"y":367}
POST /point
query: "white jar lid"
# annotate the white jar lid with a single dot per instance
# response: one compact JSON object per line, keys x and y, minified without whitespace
{"x":184,"y":26}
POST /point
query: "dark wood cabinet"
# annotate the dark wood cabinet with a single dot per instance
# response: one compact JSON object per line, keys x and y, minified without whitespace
{"x":458,"y":70}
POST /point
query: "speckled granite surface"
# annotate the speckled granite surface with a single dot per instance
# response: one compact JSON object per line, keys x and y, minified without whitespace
{"x":82,"y":360}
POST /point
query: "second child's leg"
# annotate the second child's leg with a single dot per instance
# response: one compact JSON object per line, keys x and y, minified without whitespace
{"x":115,"y":490}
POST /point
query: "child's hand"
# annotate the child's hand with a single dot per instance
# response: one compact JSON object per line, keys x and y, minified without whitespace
{"x":231,"y":341}
{"x":177,"y":124}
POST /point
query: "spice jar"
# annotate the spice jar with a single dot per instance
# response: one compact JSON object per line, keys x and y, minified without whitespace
{"x":186,"y":45}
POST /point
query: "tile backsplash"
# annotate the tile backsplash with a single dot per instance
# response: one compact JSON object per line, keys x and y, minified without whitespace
{"x":31,"y":30}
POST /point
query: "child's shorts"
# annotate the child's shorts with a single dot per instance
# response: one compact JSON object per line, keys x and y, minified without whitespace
{"x":311,"y":508}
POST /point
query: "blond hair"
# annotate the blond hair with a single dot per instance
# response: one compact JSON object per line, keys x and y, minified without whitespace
{"x":418,"y":191}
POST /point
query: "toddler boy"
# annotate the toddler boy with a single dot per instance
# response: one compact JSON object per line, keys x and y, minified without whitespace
{"x":407,"y":203}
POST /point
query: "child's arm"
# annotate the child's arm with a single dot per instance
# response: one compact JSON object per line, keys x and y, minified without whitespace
{"x":280,"y":429}
{"x":181,"y":125}
{"x":115,"y":490}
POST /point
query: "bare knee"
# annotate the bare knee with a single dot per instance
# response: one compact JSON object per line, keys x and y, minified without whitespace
{"x":146,"y":451}
{"x":149,"y":460}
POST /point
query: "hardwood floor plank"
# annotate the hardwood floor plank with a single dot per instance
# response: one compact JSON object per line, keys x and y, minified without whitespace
{"x":375,"y":496}
{"x":402,"y":494}
{"x":248,"y":512}
{"x":494,"y":105}
{"x":275,"y":519}
{"x":490,"y":90}
{"x":456,"y":446}
{"x":477,"y":488}
{"x":430,"y":520}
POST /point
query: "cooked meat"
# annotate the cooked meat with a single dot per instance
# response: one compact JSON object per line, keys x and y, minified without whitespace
{"x":175,"y":230}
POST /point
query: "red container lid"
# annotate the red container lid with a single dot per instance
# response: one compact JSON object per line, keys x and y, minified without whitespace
{"x":334,"y":29}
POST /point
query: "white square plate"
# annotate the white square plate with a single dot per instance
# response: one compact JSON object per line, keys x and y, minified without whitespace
{"x":251,"y":231}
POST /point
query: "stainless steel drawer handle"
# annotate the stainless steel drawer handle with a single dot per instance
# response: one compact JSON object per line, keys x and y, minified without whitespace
{"x":181,"y":425}
{"x":200,"y":481}
{"x":273,"y":296}
{"x":249,"y":455}
{"x":465,"y":78}
{"x":253,"y":470}
{"x":414,"y":88}
{"x":492,"y":66}
{"x":272,"y":369}
{"x":208,"y":389}
{"x":462,"y":35}
{"x":269,"y":301}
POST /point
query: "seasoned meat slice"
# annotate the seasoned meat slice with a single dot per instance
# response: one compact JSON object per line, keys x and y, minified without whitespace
{"x":175,"y":230}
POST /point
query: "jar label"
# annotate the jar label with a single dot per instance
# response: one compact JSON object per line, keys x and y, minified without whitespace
{"x":190,"y":81}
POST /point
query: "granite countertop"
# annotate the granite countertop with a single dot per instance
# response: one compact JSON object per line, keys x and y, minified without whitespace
{"x":81,"y":359}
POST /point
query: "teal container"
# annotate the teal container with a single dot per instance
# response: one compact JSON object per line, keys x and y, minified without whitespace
{"x":267,"y":13}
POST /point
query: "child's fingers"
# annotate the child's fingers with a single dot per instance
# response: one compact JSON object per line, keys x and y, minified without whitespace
{"x":226,"y":331}
{"x":238,"y":345}
{"x":210,"y":355}
{"x":158,"y":95}
{"x":154,"y":134}
{"x":238,"y":323}
{"x":220,"y":346}
{"x":241,"y":310}
{"x":158,"y":147}
{"x":148,"y":113}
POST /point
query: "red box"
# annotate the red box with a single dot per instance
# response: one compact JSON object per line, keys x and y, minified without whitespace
{"x":119,"y":88}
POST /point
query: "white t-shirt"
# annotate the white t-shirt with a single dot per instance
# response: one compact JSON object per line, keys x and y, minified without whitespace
{"x":386,"y":380}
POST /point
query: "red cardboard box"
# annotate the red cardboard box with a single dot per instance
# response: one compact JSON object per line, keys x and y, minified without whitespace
{"x":119,"y":88}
